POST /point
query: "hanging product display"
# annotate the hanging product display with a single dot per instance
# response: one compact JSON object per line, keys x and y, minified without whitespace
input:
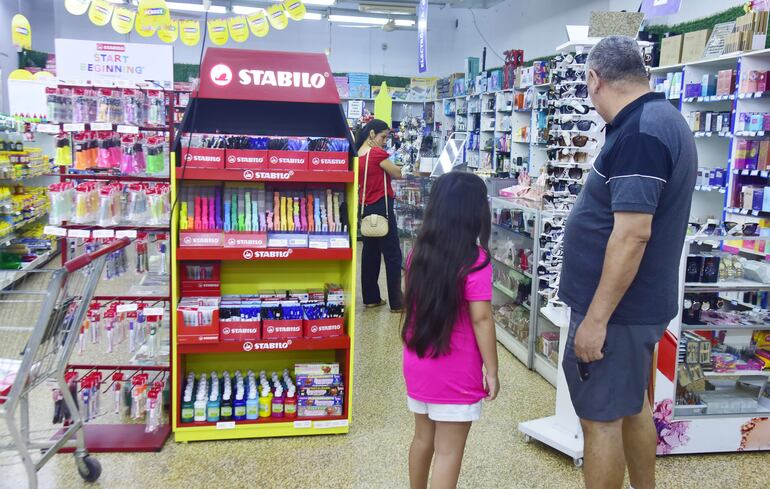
{"x":238,"y":28}
{"x":100,"y":12}
{"x":190,"y":31}
{"x":170,"y":32}
{"x":217,"y":29}
{"x":77,"y":7}
{"x":123,"y":20}
{"x":154,"y":13}
{"x":258,"y":23}
{"x":277,"y":16}
{"x":21,"y":32}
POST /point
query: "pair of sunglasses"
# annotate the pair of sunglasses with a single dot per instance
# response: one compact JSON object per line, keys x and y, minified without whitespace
{"x":580,"y":109}
{"x":567,"y":59}
{"x":563,"y":156}
{"x":582,"y":125}
{"x":577,"y":91}
{"x":578,"y":141}
{"x":573,"y":173}
{"x":570,"y":74}
{"x":572,"y":188}
{"x":549,"y":226}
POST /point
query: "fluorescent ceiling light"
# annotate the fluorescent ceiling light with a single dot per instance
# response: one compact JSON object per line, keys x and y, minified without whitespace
{"x":241,"y":10}
{"x":312,"y":16}
{"x":357,"y":19}
{"x":325,"y":3}
{"x":195,"y":7}
{"x":117,"y":2}
{"x":404,"y":23}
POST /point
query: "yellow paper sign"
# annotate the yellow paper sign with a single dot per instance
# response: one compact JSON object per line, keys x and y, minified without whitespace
{"x":154,"y":12}
{"x":218,"y":31}
{"x":258,"y":23}
{"x":239,"y":29}
{"x":20,"y":75}
{"x":100,"y":12}
{"x":42,"y":74}
{"x":277,"y":16}
{"x":77,"y":7}
{"x":383,"y":105}
{"x":190,"y":32}
{"x":21,"y":32}
{"x":142,"y":28}
{"x":169,"y":33}
{"x":295,"y":9}
{"x":123,"y":20}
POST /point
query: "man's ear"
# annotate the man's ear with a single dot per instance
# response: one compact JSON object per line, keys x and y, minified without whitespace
{"x":596,"y":82}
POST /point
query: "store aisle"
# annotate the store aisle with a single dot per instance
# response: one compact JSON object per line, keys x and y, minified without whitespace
{"x":374,"y":454}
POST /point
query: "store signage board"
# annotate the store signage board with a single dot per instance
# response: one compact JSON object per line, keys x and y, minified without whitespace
{"x":355,"y":109}
{"x":240,"y":74}
{"x":112,"y":61}
{"x":422,"y":36}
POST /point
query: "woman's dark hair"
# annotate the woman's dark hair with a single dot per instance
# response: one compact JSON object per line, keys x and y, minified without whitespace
{"x":375,"y":125}
{"x":457,"y":221}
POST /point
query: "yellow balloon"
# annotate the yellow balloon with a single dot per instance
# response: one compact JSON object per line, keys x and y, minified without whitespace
{"x":123,"y":20}
{"x":239,"y":28}
{"x":277,"y":16}
{"x":42,"y":74}
{"x":100,"y":12}
{"x":169,"y":33}
{"x":218,"y":31}
{"x":295,"y":9}
{"x":190,"y":32}
{"x":21,"y":32}
{"x":154,"y":12}
{"x":20,"y":75}
{"x":258,"y":23}
{"x":77,"y":7}
{"x":142,"y":28}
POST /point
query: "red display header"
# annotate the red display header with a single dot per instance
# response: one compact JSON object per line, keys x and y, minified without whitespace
{"x":240,"y":74}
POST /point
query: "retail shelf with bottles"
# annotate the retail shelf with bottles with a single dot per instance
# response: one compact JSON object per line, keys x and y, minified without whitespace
{"x":289,"y":112}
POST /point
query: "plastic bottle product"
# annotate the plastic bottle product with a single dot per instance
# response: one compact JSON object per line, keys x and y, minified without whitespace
{"x":199,"y":407}
{"x":265,"y":403}
{"x":240,"y":408}
{"x":278,"y":403}
{"x":213,"y":406}
{"x":188,"y":406}
{"x":290,"y":403}
{"x":226,"y":407}
{"x":252,"y":404}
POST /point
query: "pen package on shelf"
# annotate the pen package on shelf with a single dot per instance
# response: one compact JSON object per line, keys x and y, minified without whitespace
{"x":198,"y":320}
{"x":201,"y":278}
{"x":244,"y":217}
{"x":203,"y":151}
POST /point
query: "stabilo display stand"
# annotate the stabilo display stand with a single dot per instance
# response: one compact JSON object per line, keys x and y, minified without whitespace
{"x":561,"y":431}
{"x":262,"y":93}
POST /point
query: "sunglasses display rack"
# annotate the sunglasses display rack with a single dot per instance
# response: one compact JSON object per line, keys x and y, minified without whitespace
{"x":411,"y":201}
{"x":243,"y":230}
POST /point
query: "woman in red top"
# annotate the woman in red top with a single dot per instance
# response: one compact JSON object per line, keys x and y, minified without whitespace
{"x":369,"y":143}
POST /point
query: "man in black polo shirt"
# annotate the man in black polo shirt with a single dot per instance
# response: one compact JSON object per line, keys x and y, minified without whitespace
{"x":622,"y":250}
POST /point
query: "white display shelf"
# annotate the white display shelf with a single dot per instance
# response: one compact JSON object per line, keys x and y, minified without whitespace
{"x":722,"y":327}
{"x":739,"y":373}
{"x":558,"y":318}
{"x":710,"y":188}
{"x":588,"y":42}
{"x":752,"y":173}
{"x":727,"y":285}
{"x":708,"y":99}
{"x":15,"y":275}
{"x":546,"y":368}
{"x":513,"y":345}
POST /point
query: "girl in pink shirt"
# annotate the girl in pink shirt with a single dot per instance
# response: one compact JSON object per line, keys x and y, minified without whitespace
{"x":450,"y":349}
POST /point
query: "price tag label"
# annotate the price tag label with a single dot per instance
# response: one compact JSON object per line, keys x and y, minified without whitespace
{"x":319,"y":245}
{"x":709,"y":134}
{"x":125,"y":233}
{"x":55,"y":231}
{"x":339,"y":243}
{"x":128,"y":129}
{"x":74,"y":127}
{"x":103,"y":233}
{"x":303,"y":424}
{"x":741,"y":95}
{"x":226,"y":425}
{"x":154,"y":311}
{"x":334,"y":423}
{"x":79,"y":233}
{"x":101,"y":126}
{"x":279,"y":243}
{"x":48,"y":128}
{"x":764,"y":173}
{"x":754,"y":173}
{"x":721,"y":190}
{"x":760,"y":133}
{"x":127,"y":307}
{"x":744,"y":212}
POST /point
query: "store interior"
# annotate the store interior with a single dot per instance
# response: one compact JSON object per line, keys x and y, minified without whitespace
{"x":170,"y":168}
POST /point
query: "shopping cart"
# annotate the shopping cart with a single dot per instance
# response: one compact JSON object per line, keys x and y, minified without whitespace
{"x":33,"y":355}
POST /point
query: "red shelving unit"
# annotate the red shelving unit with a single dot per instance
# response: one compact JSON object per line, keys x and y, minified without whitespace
{"x":296,"y":344}
{"x":267,"y":254}
{"x":265,"y":175}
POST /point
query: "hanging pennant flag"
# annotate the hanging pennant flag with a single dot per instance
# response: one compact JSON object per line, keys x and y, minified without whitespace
{"x":258,"y":23}
{"x":77,"y":7}
{"x":123,"y":20}
{"x":190,"y":32}
{"x":155,"y":13}
{"x":100,"y":12}
{"x":383,"y":105}
{"x":21,"y":32}
{"x":218,"y":31}
{"x":277,"y":16}
{"x":142,"y":28}
{"x":295,"y":9}
{"x":169,"y":33}
{"x":239,"y":29}
{"x":422,"y":36}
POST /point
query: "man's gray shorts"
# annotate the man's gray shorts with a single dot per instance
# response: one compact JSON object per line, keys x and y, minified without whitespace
{"x":617,"y":383}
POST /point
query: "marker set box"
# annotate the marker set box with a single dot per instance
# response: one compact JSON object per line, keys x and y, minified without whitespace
{"x":254,"y":216}
{"x":198,"y":320}
{"x":200,"y":279}
{"x":239,"y":152}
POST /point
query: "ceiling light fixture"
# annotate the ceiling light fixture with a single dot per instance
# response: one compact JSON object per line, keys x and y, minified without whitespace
{"x":241,"y":10}
{"x":324,"y":3}
{"x":195,"y":7}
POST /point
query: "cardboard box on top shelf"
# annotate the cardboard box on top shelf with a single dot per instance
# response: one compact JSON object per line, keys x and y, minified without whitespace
{"x":671,"y":50}
{"x":693,"y":45}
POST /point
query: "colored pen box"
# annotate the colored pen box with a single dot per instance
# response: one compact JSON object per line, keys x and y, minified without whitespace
{"x":281,"y":329}
{"x":324,"y":328}
{"x":325,"y":241}
{"x":287,"y":160}
{"x":197,"y":334}
{"x":200,"y":279}
{"x":322,"y":391}
{"x":318,"y":411}
{"x":200,"y":239}
{"x":325,"y":401}
{"x":203,"y":158}
{"x":287,"y":240}
{"x":240,"y":330}
{"x":328,"y":161}
{"x":318,"y":380}
{"x":246,"y":159}
{"x":237,"y":239}
{"x":317,"y":369}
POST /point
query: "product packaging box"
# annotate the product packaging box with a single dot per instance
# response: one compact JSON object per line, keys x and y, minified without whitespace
{"x":749,"y":81}
{"x":318,"y":380}
{"x":320,"y":401}
{"x":243,"y":159}
{"x":725,"y":82}
{"x":708,"y":120}
{"x":281,"y":329}
{"x":316,"y":369}
{"x":235,"y":239}
{"x":213,"y":158}
{"x":323,"y":328}
{"x":766,"y":200}
{"x":321,"y":391}
{"x":318,"y":411}
{"x":202,"y":334}
{"x":288,"y":160}
{"x":762,"y":81}
{"x":240,"y":331}
{"x":692,"y":90}
{"x":708,"y":85}
{"x":671,"y":50}
{"x":200,"y":279}
{"x":328,"y":161}
{"x":763,"y":160}
{"x":693,"y":45}
{"x":758,"y":198}
{"x":756,"y":123}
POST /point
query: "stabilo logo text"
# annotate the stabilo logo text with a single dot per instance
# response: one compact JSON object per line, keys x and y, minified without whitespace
{"x":295,"y":79}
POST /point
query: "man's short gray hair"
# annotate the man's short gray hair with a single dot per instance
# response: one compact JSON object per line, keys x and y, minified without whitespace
{"x":618,"y":59}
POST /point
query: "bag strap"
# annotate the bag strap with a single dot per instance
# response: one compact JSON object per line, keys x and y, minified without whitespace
{"x":384,"y":183}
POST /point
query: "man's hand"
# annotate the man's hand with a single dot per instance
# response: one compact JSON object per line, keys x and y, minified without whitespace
{"x":589,"y":341}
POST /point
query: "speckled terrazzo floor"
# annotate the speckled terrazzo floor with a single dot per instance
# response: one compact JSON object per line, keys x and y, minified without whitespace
{"x":374,"y":454}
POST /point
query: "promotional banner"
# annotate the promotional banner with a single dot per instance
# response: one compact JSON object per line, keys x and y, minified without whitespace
{"x":154,"y":12}
{"x":422,"y":36}
{"x":142,"y":28}
{"x":218,"y":31}
{"x":190,"y":32}
{"x":657,"y":8}
{"x":277,"y":16}
{"x":78,"y":60}
{"x":258,"y":23}
{"x":239,"y":29}
{"x":295,"y":9}
{"x":77,"y":7}
{"x":21,"y":32}
{"x":169,"y":33}
{"x":100,"y":12}
{"x":123,"y":20}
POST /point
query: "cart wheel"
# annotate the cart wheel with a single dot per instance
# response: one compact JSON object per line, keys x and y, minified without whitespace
{"x":578,"y":462}
{"x":527,"y":438}
{"x":89,"y":468}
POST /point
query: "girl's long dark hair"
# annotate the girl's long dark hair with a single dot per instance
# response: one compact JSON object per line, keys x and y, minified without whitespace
{"x":457,"y":221}
{"x":375,"y":125}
